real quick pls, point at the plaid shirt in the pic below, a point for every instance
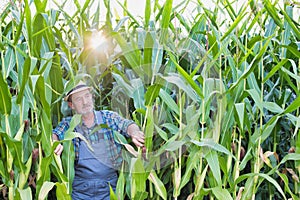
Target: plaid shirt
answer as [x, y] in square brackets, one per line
[112, 120]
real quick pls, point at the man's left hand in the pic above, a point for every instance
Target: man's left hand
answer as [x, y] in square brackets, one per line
[137, 136]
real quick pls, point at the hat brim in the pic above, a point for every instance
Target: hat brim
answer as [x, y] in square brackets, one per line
[84, 87]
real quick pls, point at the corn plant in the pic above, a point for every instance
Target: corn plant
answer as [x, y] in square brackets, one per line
[235, 102]
[217, 97]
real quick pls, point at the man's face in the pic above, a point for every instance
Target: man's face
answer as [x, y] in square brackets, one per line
[82, 102]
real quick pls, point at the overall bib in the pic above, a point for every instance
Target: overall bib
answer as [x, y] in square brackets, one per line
[93, 173]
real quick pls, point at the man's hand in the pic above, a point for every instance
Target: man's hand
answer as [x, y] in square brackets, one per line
[58, 150]
[136, 135]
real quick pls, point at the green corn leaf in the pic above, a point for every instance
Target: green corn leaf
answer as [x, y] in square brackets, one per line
[45, 189]
[81, 10]
[291, 75]
[40, 5]
[5, 97]
[68, 163]
[275, 69]
[148, 50]
[70, 134]
[186, 76]
[161, 133]
[253, 64]
[61, 191]
[57, 86]
[16, 150]
[171, 127]
[284, 178]
[44, 95]
[25, 77]
[166, 98]
[292, 24]
[221, 193]
[293, 106]
[138, 175]
[147, 12]
[151, 94]
[268, 128]
[139, 93]
[24, 174]
[129, 13]
[273, 13]
[256, 98]
[96, 17]
[149, 129]
[290, 156]
[121, 23]
[229, 8]
[200, 181]
[127, 87]
[38, 32]
[159, 186]
[120, 185]
[292, 50]
[19, 29]
[140, 195]
[240, 109]
[120, 138]
[157, 58]
[214, 165]
[180, 83]
[236, 22]
[43, 176]
[112, 195]
[9, 62]
[273, 107]
[165, 21]
[57, 160]
[213, 44]
[3, 173]
[28, 25]
[130, 52]
[46, 133]
[264, 176]
[173, 145]
[183, 21]
[25, 193]
[190, 165]
[212, 145]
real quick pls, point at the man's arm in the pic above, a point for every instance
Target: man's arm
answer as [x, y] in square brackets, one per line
[136, 135]
[58, 134]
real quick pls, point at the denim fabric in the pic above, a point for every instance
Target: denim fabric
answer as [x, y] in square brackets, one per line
[93, 189]
[92, 175]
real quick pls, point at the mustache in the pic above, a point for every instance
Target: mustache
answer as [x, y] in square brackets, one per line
[87, 105]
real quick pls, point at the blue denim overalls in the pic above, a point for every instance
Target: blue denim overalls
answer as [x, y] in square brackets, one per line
[93, 173]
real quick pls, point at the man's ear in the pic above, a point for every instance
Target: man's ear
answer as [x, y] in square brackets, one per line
[70, 104]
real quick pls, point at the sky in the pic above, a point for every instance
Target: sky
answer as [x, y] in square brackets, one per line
[137, 7]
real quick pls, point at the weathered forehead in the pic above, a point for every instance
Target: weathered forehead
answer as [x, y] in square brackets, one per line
[81, 93]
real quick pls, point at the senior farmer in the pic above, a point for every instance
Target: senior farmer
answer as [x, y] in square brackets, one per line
[95, 169]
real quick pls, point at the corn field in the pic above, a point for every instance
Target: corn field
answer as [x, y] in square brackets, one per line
[216, 93]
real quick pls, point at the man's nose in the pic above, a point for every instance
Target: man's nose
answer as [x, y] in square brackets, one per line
[85, 100]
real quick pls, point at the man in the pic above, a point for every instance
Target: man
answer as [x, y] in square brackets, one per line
[96, 168]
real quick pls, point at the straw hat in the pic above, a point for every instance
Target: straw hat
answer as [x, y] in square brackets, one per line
[79, 87]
